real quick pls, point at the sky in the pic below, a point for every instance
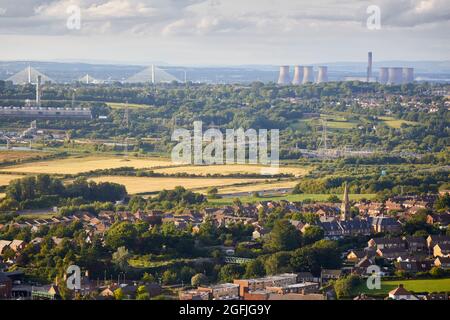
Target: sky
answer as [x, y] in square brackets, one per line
[224, 32]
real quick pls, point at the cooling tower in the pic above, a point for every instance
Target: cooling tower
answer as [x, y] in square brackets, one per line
[408, 75]
[322, 76]
[284, 77]
[383, 76]
[308, 74]
[395, 76]
[298, 75]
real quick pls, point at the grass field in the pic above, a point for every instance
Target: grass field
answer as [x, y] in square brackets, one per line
[9, 155]
[230, 169]
[6, 178]
[396, 123]
[77, 165]
[149, 184]
[417, 286]
[118, 105]
[333, 122]
[290, 197]
[269, 186]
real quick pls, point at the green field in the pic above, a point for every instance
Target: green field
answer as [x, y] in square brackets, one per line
[290, 197]
[415, 286]
[119, 105]
[333, 122]
[396, 123]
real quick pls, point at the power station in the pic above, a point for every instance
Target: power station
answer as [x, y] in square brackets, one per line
[302, 75]
[322, 75]
[369, 66]
[298, 75]
[308, 74]
[284, 78]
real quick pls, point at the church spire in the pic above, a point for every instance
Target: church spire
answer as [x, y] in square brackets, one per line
[345, 207]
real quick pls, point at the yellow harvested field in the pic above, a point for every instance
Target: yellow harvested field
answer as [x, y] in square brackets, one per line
[2, 195]
[75, 165]
[6, 178]
[9, 155]
[230, 169]
[154, 184]
[256, 187]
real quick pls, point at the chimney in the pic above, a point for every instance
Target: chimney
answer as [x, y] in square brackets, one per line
[38, 91]
[369, 66]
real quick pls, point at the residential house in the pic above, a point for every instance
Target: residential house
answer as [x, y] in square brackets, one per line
[387, 243]
[250, 285]
[330, 274]
[442, 262]
[355, 227]
[306, 277]
[385, 224]
[441, 250]
[400, 293]
[332, 229]
[224, 291]
[5, 286]
[442, 220]
[415, 244]
[356, 255]
[432, 240]
[392, 253]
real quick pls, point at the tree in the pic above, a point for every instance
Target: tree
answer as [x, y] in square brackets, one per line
[437, 272]
[254, 269]
[283, 237]
[344, 286]
[297, 189]
[213, 193]
[322, 254]
[148, 278]
[278, 263]
[229, 272]
[121, 234]
[142, 293]
[199, 279]
[120, 258]
[169, 277]
[312, 234]
[118, 294]
[333, 199]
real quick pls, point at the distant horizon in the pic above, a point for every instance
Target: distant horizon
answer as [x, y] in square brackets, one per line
[168, 64]
[225, 33]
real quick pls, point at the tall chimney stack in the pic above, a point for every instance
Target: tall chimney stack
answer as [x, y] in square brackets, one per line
[322, 76]
[284, 77]
[38, 91]
[308, 74]
[298, 75]
[369, 66]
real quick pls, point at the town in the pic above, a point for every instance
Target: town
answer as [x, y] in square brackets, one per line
[405, 236]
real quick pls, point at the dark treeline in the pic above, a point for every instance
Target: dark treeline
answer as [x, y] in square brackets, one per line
[45, 190]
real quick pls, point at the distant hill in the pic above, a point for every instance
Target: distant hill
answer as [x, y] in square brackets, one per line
[67, 72]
